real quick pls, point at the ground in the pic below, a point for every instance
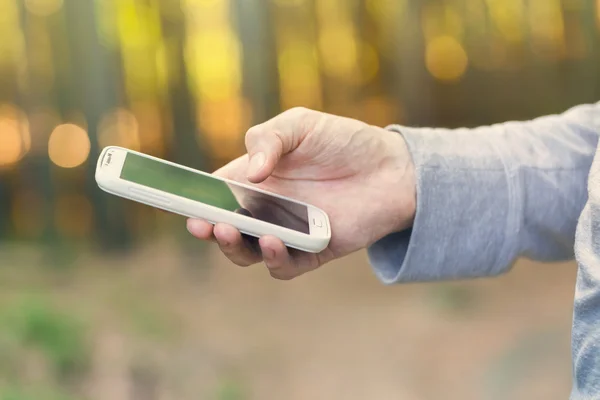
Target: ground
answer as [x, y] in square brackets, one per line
[164, 326]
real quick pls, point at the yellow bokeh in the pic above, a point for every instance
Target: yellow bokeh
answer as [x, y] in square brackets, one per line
[11, 146]
[164, 74]
[386, 10]
[369, 62]
[41, 62]
[379, 111]
[150, 127]
[138, 25]
[69, 146]
[43, 8]
[12, 52]
[508, 17]
[289, 3]
[214, 59]
[441, 19]
[332, 12]
[338, 50]
[224, 123]
[119, 128]
[573, 5]
[547, 27]
[15, 137]
[203, 15]
[73, 215]
[201, 3]
[299, 78]
[139, 35]
[446, 59]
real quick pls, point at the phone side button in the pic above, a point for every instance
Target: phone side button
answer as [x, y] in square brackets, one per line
[154, 198]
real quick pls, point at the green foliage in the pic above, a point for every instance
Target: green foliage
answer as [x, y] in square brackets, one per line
[17, 393]
[59, 336]
[143, 314]
[62, 255]
[452, 298]
[149, 322]
[230, 390]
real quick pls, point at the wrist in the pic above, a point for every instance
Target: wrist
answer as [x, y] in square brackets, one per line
[407, 184]
[401, 181]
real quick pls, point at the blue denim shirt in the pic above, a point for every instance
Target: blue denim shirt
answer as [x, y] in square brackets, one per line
[489, 195]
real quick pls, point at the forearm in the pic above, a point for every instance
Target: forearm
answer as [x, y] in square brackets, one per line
[488, 195]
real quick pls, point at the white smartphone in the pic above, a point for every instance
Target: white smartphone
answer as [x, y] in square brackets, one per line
[196, 194]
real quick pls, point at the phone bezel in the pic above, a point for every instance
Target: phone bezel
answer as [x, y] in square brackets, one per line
[108, 177]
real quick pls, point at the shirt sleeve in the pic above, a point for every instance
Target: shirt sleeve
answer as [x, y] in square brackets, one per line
[586, 313]
[488, 195]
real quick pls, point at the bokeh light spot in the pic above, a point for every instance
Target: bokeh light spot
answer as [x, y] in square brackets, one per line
[69, 146]
[289, 3]
[299, 76]
[385, 10]
[446, 58]
[150, 122]
[43, 8]
[225, 123]
[338, 50]
[10, 146]
[15, 138]
[217, 76]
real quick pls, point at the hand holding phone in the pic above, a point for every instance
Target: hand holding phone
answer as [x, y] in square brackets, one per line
[360, 175]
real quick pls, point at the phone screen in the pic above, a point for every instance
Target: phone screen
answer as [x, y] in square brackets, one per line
[212, 191]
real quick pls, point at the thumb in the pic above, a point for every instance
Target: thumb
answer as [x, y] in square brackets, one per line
[266, 145]
[233, 170]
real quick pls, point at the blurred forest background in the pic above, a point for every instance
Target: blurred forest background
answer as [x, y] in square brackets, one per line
[101, 298]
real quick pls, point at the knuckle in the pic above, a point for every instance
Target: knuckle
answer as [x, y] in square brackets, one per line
[253, 133]
[296, 113]
[298, 110]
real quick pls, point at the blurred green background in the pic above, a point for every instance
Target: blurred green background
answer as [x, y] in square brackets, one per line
[101, 298]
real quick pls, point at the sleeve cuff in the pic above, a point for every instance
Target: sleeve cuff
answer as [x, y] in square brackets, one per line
[466, 222]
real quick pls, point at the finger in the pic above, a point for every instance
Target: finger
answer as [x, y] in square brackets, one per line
[234, 247]
[277, 258]
[268, 142]
[200, 229]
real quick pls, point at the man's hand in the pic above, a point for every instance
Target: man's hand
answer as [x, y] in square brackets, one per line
[362, 176]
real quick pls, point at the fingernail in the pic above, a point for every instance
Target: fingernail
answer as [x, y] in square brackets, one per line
[256, 163]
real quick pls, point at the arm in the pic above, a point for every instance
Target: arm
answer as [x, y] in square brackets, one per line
[586, 313]
[488, 195]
